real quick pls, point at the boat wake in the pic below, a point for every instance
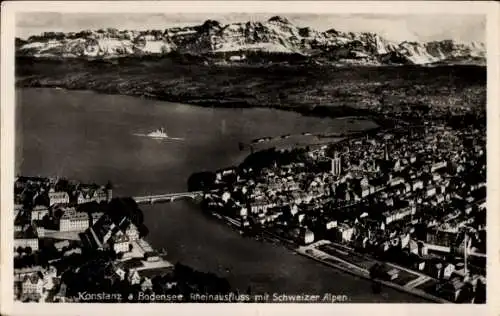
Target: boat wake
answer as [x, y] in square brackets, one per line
[159, 138]
[159, 134]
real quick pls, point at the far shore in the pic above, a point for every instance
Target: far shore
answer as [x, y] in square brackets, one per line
[317, 111]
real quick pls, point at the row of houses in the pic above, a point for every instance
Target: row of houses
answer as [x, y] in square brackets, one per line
[26, 237]
[46, 192]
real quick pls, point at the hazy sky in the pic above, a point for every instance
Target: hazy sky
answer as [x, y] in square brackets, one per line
[394, 27]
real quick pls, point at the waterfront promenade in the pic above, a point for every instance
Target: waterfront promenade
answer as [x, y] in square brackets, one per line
[345, 259]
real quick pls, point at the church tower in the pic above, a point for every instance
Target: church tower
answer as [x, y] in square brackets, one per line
[336, 165]
[109, 191]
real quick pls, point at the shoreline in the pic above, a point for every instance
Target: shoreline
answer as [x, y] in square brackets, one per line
[353, 271]
[349, 268]
[316, 91]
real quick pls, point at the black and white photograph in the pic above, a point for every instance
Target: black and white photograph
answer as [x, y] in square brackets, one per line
[234, 157]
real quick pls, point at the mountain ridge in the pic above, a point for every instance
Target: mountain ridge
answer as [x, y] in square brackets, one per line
[240, 41]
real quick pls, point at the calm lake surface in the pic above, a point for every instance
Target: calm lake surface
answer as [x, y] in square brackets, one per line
[89, 137]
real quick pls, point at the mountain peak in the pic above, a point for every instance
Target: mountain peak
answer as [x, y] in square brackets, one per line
[332, 31]
[277, 36]
[211, 24]
[279, 19]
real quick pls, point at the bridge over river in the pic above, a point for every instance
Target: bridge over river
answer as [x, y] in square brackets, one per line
[168, 197]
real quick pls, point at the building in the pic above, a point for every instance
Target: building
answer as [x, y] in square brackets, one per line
[109, 191]
[22, 219]
[105, 233]
[366, 190]
[331, 224]
[18, 208]
[82, 198]
[303, 235]
[119, 271]
[59, 245]
[20, 274]
[91, 195]
[221, 174]
[308, 236]
[98, 235]
[451, 290]
[396, 215]
[396, 181]
[418, 184]
[345, 233]
[48, 278]
[32, 287]
[336, 165]
[129, 228]
[261, 206]
[430, 191]
[58, 198]
[26, 238]
[61, 294]
[146, 284]
[448, 270]
[39, 212]
[134, 277]
[243, 212]
[71, 251]
[441, 240]
[119, 242]
[96, 216]
[438, 165]
[72, 220]
[235, 58]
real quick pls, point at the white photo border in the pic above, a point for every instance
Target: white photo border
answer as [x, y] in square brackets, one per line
[489, 9]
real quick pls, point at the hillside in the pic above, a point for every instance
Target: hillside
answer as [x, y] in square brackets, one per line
[307, 88]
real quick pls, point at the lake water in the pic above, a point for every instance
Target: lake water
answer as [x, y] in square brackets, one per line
[89, 137]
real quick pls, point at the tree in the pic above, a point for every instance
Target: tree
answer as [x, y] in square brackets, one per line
[112, 31]
[157, 284]
[466, 294]
[42, 199]
[58, 213]
[480, 293]
[157, 34]
[28, 250]
[143, 231]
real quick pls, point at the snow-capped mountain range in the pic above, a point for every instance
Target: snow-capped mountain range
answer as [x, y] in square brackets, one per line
[237, 41]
